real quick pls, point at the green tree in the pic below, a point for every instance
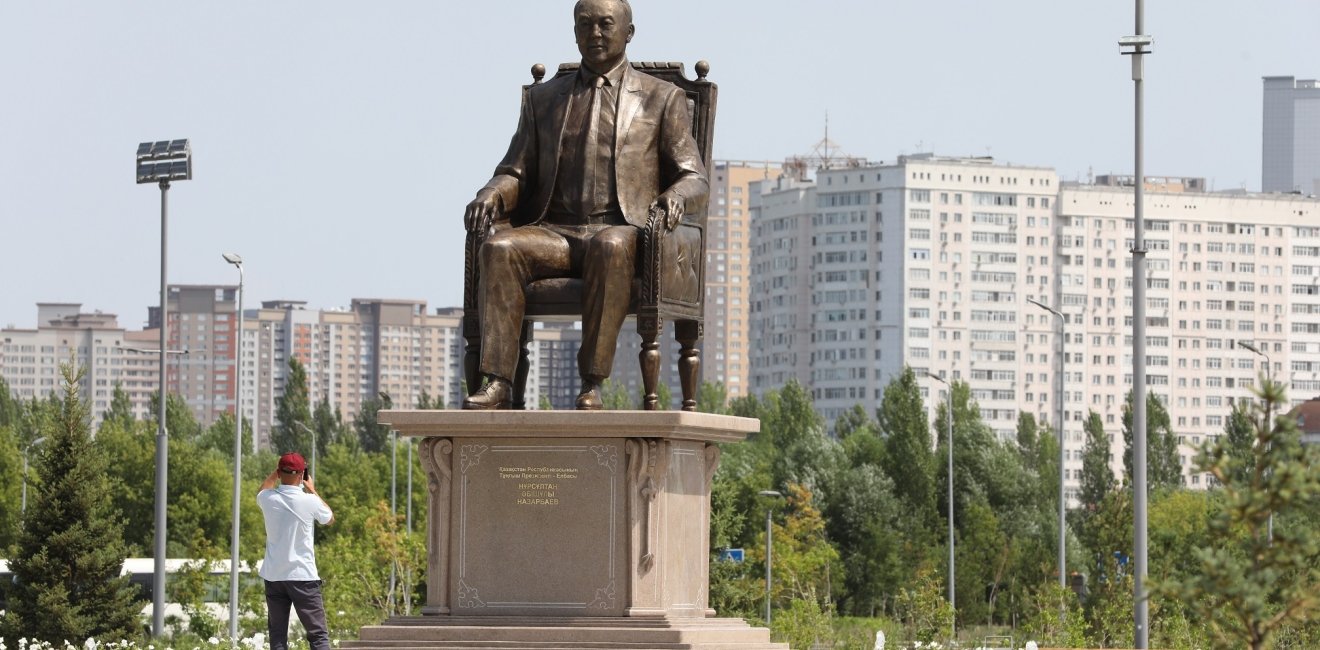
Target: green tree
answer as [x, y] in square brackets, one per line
[925, 613]
[1247, 585]
[66, 568]
[11, 487]
[615, 397]
[1043, 623]
[909, 460]
[854, 419]
[862, 520]
[1108, 533]
[130, 458]
[802, 451]
[804, 560]
[121, 408]
[293, 408]
[372, 436]
[712, 397]
[220, 436]
[11, 410]
[180, 423]
[1240, 439]
[329, 424]
[1097, 475]
[1163, 469]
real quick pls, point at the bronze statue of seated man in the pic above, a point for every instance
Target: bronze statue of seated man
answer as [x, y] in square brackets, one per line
[594, 155]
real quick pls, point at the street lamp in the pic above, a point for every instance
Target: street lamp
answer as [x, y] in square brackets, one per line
[1136, 47]
[769, 546]
[1063, 359]
[311, 431]
[237, 261]
[1269, 417]
[953, 627]
[34, 443]
[1269, 368]
[162, 162]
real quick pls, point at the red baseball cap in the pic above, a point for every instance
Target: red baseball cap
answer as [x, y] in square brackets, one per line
[293, 462]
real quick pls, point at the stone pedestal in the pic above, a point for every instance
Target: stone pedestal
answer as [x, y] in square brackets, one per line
[594, 524]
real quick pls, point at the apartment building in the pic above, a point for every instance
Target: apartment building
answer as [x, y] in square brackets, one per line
[552, 366]
[1290, 136]
[932, 262]
[30, 359]
[374, 347]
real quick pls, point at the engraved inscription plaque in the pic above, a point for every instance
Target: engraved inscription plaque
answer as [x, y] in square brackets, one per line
[539, 527]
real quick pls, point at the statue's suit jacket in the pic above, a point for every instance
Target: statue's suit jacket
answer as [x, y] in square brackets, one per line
[654, 150]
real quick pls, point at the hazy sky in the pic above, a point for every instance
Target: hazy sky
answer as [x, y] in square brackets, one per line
[336, 143]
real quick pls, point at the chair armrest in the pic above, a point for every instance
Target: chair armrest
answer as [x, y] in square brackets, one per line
[672, 263]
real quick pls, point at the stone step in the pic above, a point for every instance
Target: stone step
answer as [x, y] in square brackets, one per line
[561, 633]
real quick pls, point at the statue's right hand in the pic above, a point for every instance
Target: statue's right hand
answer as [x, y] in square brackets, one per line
[482, 210]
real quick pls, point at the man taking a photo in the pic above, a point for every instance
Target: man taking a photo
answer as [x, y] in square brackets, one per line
[289, 503]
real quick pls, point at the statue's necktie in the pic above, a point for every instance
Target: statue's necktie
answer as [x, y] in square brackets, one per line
[599, 149]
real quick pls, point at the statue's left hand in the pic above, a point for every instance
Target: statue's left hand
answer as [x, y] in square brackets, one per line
[669, 208]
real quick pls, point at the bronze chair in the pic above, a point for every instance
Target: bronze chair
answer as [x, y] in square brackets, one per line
[670, 284]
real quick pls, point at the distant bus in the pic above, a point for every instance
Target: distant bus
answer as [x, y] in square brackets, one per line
[141, 574]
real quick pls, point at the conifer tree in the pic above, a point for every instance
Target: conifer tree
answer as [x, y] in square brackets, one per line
[1253, 579]
[909, 453]
[1097, 476]
[1163, 468]
[293, 408]
[69, 554]
[121, 409]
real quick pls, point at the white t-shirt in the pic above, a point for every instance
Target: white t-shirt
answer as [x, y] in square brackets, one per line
[289, 513]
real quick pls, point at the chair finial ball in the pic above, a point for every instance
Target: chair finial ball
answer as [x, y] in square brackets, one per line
[703, 68]
[538, 72]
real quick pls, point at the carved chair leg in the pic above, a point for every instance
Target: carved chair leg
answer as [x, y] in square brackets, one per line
[686, 332]
[524, 363]
[649, 357]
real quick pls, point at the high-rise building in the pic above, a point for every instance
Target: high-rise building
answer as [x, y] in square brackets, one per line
[375, 348]
[201, 366]
[725, 346]
[1290, 143]
[390, 347]
[553, 371]
[31, 359]
[930, 263]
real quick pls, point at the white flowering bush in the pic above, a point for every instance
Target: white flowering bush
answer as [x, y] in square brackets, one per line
[254, 642]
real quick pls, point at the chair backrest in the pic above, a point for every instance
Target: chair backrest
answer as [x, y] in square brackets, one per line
[701, 95]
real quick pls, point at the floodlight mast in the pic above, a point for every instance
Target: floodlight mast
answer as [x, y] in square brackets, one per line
[1137, 46]
[161, 162]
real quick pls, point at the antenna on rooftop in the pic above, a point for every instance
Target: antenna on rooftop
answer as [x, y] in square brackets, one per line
[825, 154]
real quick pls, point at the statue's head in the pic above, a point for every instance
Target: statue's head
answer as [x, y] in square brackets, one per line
[603, 29]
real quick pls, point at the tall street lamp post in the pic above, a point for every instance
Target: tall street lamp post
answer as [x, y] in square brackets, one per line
[161, 163]
[28, 448]
[953, 626]
[1059, 419]
[1269, 371]
[237, 261]
[1139, 46]
[769, 547]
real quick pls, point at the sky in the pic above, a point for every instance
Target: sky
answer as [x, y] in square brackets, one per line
[336, 143]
